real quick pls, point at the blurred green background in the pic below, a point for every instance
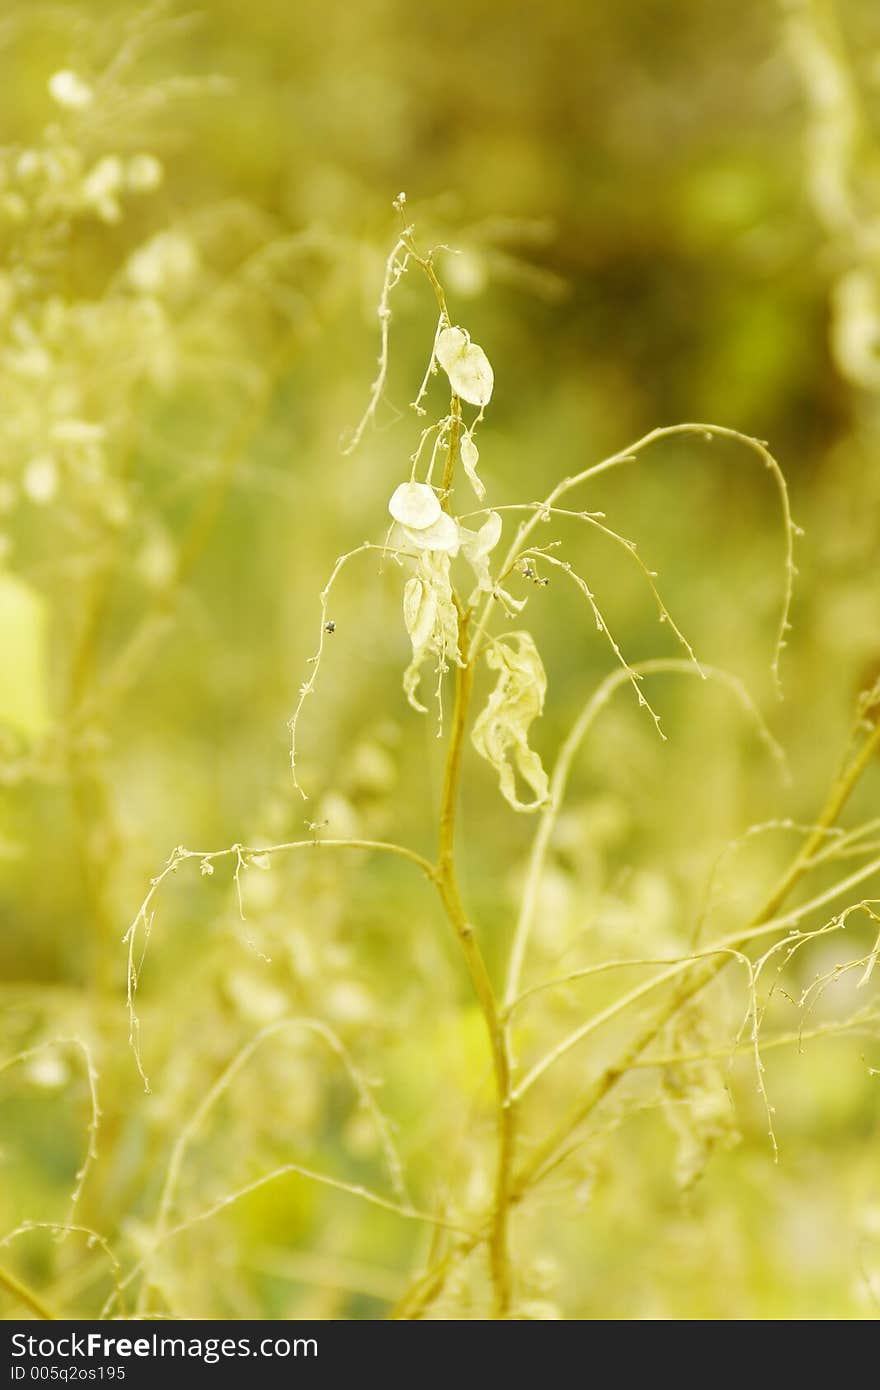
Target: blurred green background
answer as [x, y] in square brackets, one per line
[659, 212]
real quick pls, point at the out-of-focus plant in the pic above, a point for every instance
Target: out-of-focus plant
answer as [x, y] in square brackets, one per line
[117, 312]
[104, 331]
[842, 169]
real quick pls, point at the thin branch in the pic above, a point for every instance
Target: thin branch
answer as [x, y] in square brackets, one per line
[144, 916]
[562, 772]
[395, 269]
[24, 1295]
[95, 1110]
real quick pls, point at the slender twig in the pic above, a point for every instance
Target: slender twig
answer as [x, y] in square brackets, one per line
[447, 884]
[704, 974]
[631, 454]
[242, 1057]
[562, 772]
[395, 269]
[547, 1156]
[25, 1296]
[401, 1209]
[240, 854]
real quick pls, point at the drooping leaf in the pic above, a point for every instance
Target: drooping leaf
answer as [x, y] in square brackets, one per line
[419, 611]
[501, 732]
[431, 620]
[477, 546]
[470, 457]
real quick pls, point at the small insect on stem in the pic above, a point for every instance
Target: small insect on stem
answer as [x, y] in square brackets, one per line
[528, 571]
[330, 626]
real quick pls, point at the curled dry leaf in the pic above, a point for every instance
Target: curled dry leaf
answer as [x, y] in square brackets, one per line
[501, 732]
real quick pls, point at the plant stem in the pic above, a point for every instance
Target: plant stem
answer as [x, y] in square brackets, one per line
[502, 1200]
[426, 264]
[555, 1149]
[430, 1284]
[451, 451]
[447, 885]
[26, 1296]
[546, 1154]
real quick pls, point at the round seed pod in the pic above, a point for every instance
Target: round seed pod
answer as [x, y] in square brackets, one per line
[415, 505]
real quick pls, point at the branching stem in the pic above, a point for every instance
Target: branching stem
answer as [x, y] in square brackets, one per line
[447, 883]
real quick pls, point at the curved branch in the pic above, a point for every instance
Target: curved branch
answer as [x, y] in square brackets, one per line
[562, 771]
